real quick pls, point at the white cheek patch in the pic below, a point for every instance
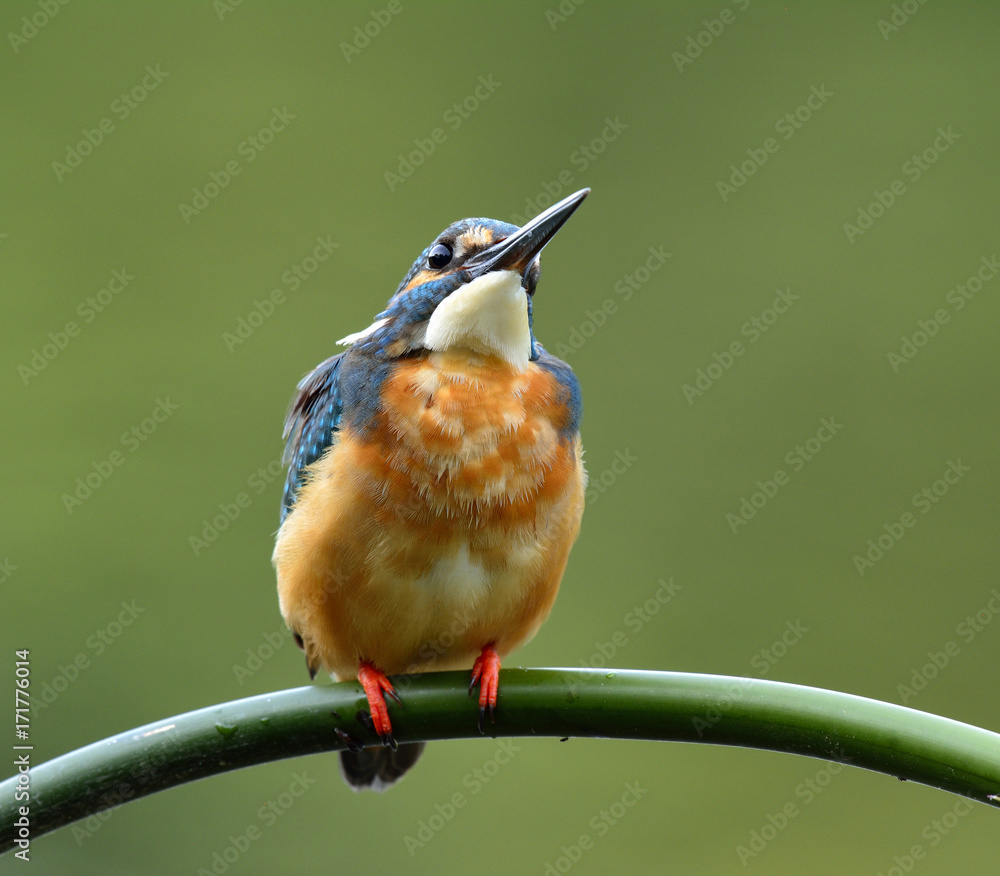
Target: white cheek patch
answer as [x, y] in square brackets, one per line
[488, 316]
[361, 335]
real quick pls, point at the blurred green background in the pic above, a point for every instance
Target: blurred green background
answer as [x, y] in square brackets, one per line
[287, 118]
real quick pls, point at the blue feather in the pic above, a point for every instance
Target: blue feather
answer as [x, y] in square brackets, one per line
[313, 418]
[570, 394]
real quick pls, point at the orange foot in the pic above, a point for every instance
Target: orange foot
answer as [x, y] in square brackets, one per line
[486, 673]
[377, 687]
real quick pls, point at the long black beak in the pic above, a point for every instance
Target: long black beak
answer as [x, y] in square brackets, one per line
[519, 251]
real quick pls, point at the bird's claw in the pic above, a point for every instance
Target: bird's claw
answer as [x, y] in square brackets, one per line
[377, 687]
[486, 673]
[351, 742]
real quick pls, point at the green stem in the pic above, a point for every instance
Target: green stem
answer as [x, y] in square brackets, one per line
[626, 704]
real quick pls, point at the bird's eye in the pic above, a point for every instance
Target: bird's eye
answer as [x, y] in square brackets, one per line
[439, 256]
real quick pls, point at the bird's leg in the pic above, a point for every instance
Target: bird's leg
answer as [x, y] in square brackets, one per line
[486, 673]
[377, 687]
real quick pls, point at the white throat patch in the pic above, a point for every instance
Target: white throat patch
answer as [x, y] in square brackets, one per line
[488, 316]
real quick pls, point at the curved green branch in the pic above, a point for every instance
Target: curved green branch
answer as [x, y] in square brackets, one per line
[626, 704]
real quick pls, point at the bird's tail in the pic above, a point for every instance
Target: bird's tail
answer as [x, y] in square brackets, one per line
[375, 769]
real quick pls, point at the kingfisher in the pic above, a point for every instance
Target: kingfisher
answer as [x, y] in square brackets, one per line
[435, 482]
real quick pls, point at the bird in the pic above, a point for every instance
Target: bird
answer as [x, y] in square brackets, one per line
[435, 482]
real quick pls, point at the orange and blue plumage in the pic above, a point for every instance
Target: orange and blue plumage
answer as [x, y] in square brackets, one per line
[436, 481]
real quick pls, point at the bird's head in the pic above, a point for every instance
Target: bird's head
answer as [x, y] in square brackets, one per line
[471, 289]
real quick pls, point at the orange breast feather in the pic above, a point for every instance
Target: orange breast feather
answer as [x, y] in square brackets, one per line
[448, 525]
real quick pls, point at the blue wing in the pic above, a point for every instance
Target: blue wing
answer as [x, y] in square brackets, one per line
[313, 419]
[570, 394]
